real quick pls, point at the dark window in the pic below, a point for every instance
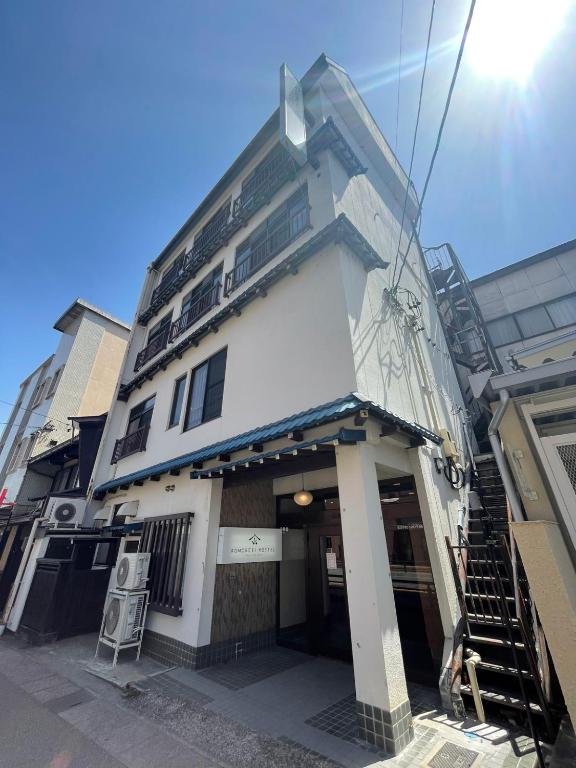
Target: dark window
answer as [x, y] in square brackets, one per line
[65, 479]
[534, 321]
[160, 328]
[166, 539]
[563, 311]
[211, 280]
[141, 415]
[206, 391]
[503, 331]
[177, 400]
[212, 227]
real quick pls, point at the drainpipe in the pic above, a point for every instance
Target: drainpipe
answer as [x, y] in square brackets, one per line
[20, 574]
[473, 659]
[507, 481]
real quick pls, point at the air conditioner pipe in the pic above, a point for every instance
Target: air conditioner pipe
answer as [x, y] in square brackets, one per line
[471, 662]
[5, 618]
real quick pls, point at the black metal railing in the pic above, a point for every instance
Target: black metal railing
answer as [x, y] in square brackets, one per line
[166, 539]
[200, 307]
[260, 254]
[133, 443]
[264, 183]
[488, 595]
[157, 344]
[169, 279]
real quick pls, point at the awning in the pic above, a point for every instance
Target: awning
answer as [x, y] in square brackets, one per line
[286, 454]
[128, 509]
[104, 513]
[342, 408]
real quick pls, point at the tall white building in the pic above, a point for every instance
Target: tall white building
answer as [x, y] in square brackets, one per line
[272, 355]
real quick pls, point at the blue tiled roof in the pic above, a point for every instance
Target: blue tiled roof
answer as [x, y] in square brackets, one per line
[322, 414]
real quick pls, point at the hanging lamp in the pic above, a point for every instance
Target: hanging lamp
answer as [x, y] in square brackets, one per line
[303, 498]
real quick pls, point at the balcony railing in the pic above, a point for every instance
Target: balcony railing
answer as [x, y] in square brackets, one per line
[196, 311]
[157, 344]
[169, 278]
[264, 183]
[133, 443]
[277, 239]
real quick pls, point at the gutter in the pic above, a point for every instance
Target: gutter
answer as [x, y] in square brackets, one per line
[494, 438]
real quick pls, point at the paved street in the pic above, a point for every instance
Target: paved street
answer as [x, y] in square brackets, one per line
[274, 709]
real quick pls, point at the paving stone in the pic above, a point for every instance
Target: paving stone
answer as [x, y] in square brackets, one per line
[63, 703]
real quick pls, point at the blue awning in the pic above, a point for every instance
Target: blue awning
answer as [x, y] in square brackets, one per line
[323, 414]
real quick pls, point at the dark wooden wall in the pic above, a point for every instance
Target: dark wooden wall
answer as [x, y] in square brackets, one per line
[245, 593]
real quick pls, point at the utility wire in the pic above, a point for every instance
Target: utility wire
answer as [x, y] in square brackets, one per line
[440, 132]
[399, 77]
[31, 410]
[414, 138]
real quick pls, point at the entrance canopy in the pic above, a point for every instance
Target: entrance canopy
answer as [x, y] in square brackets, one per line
[292, 427]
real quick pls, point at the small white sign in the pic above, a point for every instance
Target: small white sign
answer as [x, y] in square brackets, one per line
[249, 545]
[331, 563]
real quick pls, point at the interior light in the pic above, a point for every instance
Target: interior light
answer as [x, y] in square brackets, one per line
[303, 498]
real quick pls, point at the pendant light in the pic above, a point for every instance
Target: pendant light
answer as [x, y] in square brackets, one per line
[303, 498]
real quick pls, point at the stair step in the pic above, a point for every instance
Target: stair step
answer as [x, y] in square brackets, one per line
[495, 641]
[487, 597]
[498, 697]
[486, 618]
[503, 670]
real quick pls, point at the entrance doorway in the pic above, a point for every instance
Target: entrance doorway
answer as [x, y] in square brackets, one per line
[312, 597]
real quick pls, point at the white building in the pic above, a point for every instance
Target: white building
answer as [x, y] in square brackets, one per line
[78, 380]
[270, 355]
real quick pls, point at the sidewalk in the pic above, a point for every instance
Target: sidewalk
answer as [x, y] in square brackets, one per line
[274, 709]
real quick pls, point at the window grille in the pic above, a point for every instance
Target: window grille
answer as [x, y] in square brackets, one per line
[166, 539]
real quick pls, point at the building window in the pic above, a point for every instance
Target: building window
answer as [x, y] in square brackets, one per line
[563, 312]
[212, 228]
[503, 331]
[65, 479]
[534, 321]
[177, 400]
[160, 330]
[38, 395]
[206, 391]
[54, 382]
[213, 279]
[166, 539]
[140, 415]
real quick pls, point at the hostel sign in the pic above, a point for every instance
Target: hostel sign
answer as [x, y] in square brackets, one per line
[249, 545]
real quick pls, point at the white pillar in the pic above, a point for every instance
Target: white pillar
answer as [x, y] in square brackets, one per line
[382, 699]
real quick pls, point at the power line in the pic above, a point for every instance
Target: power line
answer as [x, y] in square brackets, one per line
[399, 77]
[440, 132]
[31, 410]
[409, 181]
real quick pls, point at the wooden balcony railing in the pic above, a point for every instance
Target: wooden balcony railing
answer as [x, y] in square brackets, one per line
[196, 311]
[265, 182]
[133, 443]
[157, 344]
[276, 240]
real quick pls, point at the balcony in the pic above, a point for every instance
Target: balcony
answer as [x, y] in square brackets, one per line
[133, 443]
[267, 179]
[261, 253]
[167, 281]
[200, 307]
[157, 344]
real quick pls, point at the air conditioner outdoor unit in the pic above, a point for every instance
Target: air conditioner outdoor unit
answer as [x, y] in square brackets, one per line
[65, 510]
[124, 616]
[132, 571]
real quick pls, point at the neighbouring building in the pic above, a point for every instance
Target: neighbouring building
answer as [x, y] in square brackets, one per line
[288, 433]
[530, 313]
[48, 447]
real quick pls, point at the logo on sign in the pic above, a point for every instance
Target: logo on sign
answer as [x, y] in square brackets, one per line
[254, 539]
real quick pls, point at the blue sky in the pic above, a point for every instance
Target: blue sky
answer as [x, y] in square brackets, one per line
[118, 116]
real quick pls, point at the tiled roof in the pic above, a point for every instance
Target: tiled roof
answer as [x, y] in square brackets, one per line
[313, 417]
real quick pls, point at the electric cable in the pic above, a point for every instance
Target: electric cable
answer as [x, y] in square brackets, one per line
[415, 136]
[439, 135]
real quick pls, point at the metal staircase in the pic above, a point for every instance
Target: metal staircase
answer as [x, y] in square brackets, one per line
[498, 615]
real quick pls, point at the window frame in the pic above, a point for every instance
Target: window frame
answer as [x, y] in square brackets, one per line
[186, 427]
[148, 410]
[514, 317]
[177, 381]
[209, 282]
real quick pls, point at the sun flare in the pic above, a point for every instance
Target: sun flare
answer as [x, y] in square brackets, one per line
[508, 37]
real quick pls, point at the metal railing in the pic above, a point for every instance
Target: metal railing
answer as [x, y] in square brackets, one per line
[486, 597]
[132, 443]
[267, 179]
[169, 278]
[157, 344]
[260, 254]
[200, 307]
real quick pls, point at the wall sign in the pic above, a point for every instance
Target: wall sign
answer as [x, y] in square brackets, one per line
[249, 545]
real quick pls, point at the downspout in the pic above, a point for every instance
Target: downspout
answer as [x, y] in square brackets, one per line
[509, 487]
